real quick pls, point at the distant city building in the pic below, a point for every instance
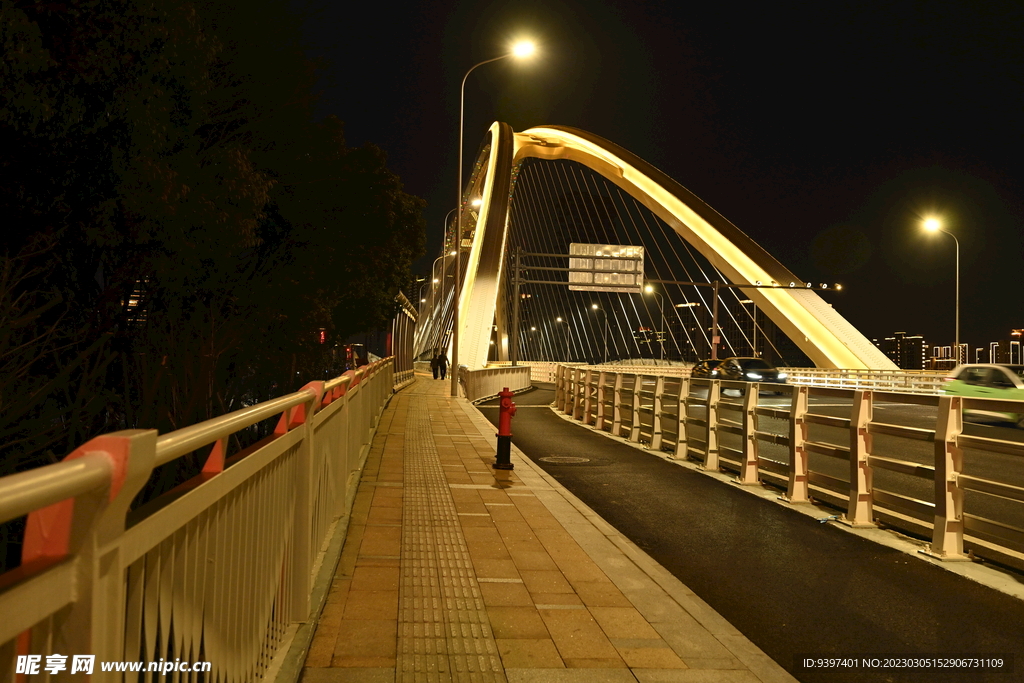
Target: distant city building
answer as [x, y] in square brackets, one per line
[1005, 351]
[942, 359]
[907, 352]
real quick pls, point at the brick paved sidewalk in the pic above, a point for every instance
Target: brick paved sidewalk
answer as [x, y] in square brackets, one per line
[453, 571]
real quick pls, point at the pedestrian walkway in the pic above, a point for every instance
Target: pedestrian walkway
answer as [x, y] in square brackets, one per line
[453, 571]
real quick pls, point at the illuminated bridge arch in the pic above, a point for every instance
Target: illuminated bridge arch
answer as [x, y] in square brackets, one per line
[826, 338]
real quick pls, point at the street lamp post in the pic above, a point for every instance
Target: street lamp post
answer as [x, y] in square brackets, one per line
[934, 225]
[595, 307]
[437, 317]
[648, 289]
[520, 50]
[568, 330]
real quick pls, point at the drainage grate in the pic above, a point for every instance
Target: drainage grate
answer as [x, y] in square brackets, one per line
[564, 460]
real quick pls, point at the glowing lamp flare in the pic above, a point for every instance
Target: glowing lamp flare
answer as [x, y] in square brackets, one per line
[932, 224]
[524, 48]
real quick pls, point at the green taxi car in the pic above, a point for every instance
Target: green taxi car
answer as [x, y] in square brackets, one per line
[1004, 382]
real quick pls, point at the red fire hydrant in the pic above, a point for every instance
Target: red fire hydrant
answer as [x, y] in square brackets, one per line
[507, 410]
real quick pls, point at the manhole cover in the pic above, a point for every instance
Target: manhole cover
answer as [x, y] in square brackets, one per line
[564, 460]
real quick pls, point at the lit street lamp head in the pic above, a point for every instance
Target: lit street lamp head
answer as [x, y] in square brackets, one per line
[524, 49]
[648, 289]
[935, 225]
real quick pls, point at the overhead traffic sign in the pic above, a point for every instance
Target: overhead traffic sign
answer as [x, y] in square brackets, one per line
[606, 268]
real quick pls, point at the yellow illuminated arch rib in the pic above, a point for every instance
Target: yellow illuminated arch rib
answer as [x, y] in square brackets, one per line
[827, 338]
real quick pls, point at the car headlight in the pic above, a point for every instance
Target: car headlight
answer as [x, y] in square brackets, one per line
[782, 375]
[754, 375]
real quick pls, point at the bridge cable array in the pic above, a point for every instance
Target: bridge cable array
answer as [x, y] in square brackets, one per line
[558, 202]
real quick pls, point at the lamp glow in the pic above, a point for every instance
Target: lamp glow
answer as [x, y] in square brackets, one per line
[523, 49]
[932, 224]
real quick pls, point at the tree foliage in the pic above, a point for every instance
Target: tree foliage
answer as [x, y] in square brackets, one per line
[180, 226]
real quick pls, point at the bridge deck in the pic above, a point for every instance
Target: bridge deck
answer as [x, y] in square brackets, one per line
[454, 571]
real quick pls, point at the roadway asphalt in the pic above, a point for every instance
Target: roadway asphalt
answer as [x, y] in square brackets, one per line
[796, 587]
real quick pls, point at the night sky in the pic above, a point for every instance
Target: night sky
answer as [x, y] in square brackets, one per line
[825, 131]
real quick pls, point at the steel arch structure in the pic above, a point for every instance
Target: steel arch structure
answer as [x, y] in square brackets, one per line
[827, 338]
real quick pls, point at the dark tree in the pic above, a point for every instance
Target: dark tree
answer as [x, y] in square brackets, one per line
[200, 226]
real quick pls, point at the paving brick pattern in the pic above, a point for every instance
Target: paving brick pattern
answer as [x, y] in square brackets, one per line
[455, 572]
[443, 630]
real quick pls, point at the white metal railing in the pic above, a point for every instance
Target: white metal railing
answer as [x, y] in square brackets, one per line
[910, 381]
[486, 383]
[540, 371]
[221, 568]
[721, 425]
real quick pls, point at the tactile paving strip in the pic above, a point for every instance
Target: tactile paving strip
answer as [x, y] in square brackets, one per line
[443, 630]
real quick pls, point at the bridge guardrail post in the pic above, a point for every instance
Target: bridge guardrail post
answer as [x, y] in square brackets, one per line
[659, 390]
[580, 398]
[588, 395]
[617, 405]
[567, 380]
[682, 418]
[797, 488]
[344, 456]
[570, 390]
[560, 388]
[711, 429]
[859, 511]
[88, 528]
[634, 423]
[347, 421]
[303, 550]
[566, 388]
[948, 533]
[748, 470]
[602, 398]
[578, 389]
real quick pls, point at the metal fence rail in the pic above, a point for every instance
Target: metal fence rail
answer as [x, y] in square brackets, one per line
[540, 371]
[486, 383]
[721, 425]
[909, 381]
[217, 570]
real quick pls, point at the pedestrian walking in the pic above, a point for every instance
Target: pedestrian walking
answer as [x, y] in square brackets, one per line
[434, 365]
[442, 364]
